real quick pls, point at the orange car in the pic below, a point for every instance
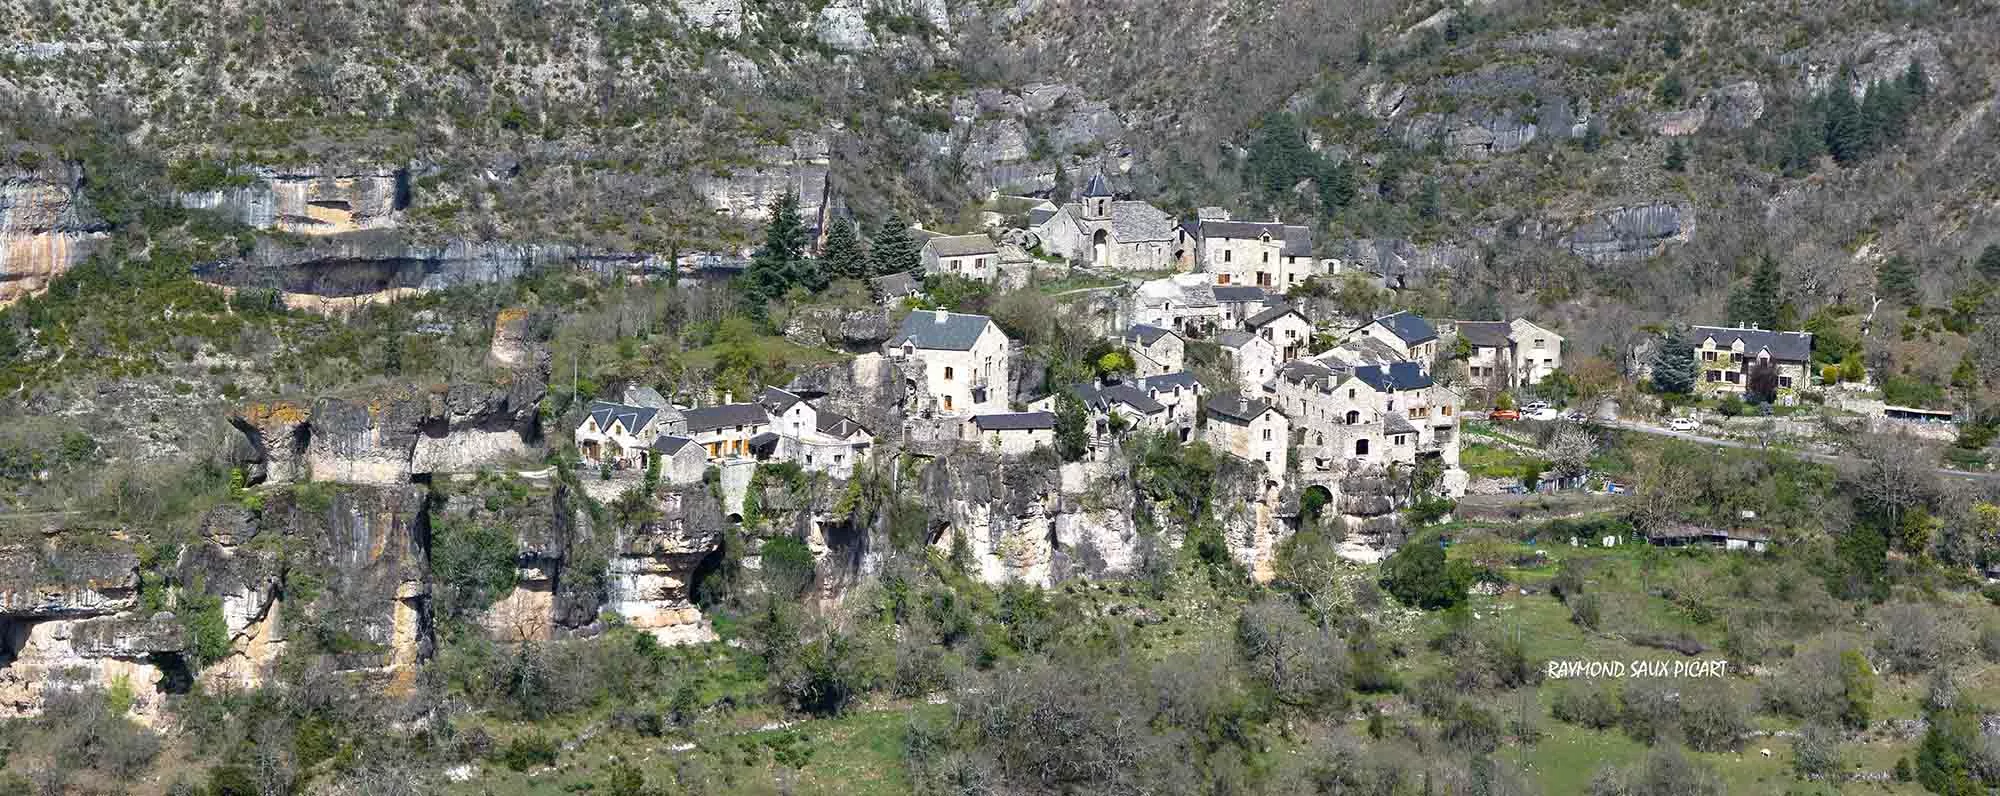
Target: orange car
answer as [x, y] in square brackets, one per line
[1504, 414]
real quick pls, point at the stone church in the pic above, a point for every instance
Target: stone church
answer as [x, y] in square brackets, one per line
[1102, 231]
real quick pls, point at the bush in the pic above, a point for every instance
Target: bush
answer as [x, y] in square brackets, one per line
[1593, 705]
[1419, 576]
[529, 751]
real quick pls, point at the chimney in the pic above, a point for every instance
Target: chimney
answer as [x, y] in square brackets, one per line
[1242, 404]
[941, 315]
[1097, 383]
[728, 397]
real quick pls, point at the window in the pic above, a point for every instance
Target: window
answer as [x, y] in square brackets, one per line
[1538, 342]
[1353, 417]
[1361, 447]
[1267, 435]
[1267, 456]
[947, 373]
[979, 263]
[1708, 356]
[1784, 381]
[1732, 377]
[839, 457]
[947, 402]
[1267, 257]
[1350, 393]
[1222, 279]
[1225, 255]
[1715, 375]
[1399, 439]
[1445, 410]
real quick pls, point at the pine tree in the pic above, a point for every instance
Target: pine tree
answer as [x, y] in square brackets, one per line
[892, 251]
[1989, 261]
[1072, 427]
[1677, 156]
[1336, 186]
[1673, 365]
[1758, 303]
[1896, 278]
[1915, 81]
[1804, 144]
[776, 265]
[1279, 157]
[843, 258]
[1846, 137]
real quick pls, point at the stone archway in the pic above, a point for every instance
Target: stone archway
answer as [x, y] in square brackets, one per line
[1100, 248]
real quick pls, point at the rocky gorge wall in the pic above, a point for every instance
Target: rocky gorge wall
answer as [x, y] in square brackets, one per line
[46, 227]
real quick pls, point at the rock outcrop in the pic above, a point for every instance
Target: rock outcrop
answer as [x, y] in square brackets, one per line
[45, 228]
[388, 438]
[1631, 232]
[311, 201]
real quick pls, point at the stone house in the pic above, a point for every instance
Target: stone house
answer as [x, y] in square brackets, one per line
[1370, 415]
[1251, 429]
[1184, 303]
[1505, 355]
[732, 431]
[620, 435]
[682, 460]
[1239, 303]
[1155, 350]
[891, 289]
[1271, 255]
[819, 440]
[1725, 357]
[1285, 327]
[1110, 233]
[974, 257]
[1251, 358]
[1407, 332]
[1011, 433]
[1181, 394]
[964, 358]
[1167, 403]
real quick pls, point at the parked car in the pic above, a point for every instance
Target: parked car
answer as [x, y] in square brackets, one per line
[1683, 424]
[1535, 407]
[1499, 415]
[1544, 413]
[1577, 416]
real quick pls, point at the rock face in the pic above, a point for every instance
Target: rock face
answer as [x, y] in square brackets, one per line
[1631, 233]
[720, 17]
[66, 622]
[1019, 140]
[1401, 262]
[747, 193]
[652, 577]
[45, 227]
[312, 201]
[385, 440]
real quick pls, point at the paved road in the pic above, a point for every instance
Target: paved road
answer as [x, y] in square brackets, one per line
[1827, 458]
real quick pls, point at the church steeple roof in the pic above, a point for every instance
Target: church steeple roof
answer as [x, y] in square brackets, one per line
[1097, 186]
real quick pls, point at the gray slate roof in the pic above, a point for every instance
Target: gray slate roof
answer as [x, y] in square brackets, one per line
[1098, 186]
[1273, 313]
[1486, 334]
[1239, 293]
[1235, 407]
[835, 425]
[1234, 338]
[1788, 346]
[709, 418]
[1397, 376]
[633, 418]
[1146, 334]
[1409, 327]
[1396, 423]
[896, 285]
[961, 245]
[1037, 216]
[1015, 421]
[1166, 382]
[776, 401]
[1298, 240]
[955, 332]
[670, 445]
[1101, 398]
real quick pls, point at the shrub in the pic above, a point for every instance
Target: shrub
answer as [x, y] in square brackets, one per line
[1420, 577]
[1593, 705]
[529, 751]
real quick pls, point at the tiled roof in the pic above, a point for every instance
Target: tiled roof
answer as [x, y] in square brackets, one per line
[1015, 421]
[1297, 239]
[1236, 407]
[1146, 334]
[1396, 423]
[1037, 216]
[940, 330]
[1272, 313]
[1409, 327]
[834, 425]
[1788, 346]
[709, 418]
[961, 245]
[671, 445]
[1485, 334]
[895, 285]
[633, 418]
[1239, 293]
[776, 401]
[1396, 376]
[1166, 382]
[1234, 338]
[1101, 398]
[1138, 221]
